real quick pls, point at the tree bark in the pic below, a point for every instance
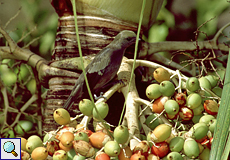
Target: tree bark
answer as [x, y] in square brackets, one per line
[95, 33]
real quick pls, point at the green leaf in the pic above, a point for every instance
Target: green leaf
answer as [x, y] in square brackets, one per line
[223, 120]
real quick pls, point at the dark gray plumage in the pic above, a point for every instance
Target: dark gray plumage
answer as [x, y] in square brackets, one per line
[103, 67]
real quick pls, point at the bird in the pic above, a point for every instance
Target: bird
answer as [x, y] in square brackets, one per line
[102, 69]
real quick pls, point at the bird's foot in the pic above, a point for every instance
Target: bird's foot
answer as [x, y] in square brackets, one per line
[100, 96]
[120, 81]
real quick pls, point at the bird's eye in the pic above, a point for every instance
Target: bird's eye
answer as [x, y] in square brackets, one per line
[129, 38]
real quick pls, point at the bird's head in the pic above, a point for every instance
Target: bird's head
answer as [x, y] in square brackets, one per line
[125, 38]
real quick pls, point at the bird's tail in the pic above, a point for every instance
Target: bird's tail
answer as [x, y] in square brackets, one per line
[68, 103]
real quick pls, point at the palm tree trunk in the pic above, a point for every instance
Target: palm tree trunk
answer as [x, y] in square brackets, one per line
[96, 31]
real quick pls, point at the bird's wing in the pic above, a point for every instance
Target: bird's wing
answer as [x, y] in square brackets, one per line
[68, 103]
[76, 94]
[100, 62]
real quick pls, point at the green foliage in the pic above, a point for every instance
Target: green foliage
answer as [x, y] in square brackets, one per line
[36, 30]
[159, 31]
[221, 134]
[206, 10]
[37, 24]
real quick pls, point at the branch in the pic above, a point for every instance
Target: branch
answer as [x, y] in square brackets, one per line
[6, 104]
[188, 46]
[12, 45]
[110, 92]
[18, 53]
[24, 107]
[149, 64]
[12, 18]
[220, 32]
[142, 121]
[184, 46]
[131, 114]
[45, 72]
[149, 104]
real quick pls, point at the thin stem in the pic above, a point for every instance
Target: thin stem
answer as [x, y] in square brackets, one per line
[80, 51]
[135, 56]
[82, 65]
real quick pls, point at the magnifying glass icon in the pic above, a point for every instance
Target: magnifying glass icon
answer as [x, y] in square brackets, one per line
[9, 147]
